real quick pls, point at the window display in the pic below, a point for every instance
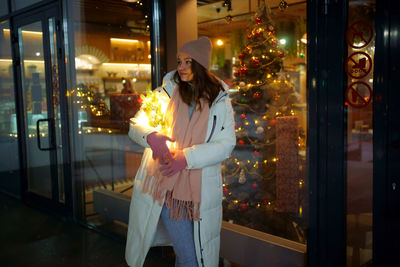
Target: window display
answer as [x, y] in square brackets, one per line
[261, 53]
[112, 70]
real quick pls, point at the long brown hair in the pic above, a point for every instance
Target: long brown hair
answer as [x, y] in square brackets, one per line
[205, 84]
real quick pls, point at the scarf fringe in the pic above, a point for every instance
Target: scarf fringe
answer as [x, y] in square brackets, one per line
[179, 208]
[152, 186]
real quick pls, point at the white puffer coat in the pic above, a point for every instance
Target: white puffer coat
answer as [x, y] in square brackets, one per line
[145, 229]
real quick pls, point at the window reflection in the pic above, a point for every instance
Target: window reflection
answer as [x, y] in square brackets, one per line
[358, 102]
[112, 68]
[260, 52]
[9, 165]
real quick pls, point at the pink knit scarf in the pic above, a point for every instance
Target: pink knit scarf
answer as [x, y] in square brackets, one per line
[182, 192]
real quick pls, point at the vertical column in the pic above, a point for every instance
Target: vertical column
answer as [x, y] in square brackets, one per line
[181, 27]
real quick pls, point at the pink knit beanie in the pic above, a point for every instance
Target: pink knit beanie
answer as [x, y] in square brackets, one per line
[199, 50]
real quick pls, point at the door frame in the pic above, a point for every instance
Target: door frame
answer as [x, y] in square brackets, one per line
[42, 13]
[386, 215]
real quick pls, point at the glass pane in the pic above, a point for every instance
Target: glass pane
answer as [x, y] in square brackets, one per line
[9, 163]
[260, 52]
[35, 108]
[56, 105]
[19, 4]
[3, 7]
[112, 68]
[358, 103]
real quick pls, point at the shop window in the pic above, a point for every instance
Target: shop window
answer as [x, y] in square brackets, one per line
[19, 4]
[112, 69]
[3, 8]
[9, 165]
[359, 108]
[260, 52]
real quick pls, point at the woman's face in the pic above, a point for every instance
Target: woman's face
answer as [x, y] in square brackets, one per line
[185, 67]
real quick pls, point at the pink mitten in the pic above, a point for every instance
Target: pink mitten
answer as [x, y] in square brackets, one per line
[174, 165]
[159, 147]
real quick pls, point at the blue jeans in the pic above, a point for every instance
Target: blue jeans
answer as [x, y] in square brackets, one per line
[181, 235]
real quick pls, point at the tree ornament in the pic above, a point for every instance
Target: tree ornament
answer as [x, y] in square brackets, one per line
[249, 36]
[281, 54]
[255, 186]
[255, 62]
[258, 20]
[243, 71]
[240, 56]
[272, 122]
[242, 177]
[243, 206]
[243, 116]
[256, 153]
[242, 84]
[226, 192]
[283, 5]
[236, 73]
[241, 142]
[257, 95]
[242, 100]
[259, 130]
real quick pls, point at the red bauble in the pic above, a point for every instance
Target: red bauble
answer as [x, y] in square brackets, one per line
[241, 56]
[258, 33]
[243, 116]
[236, 126]
[256, 153]
[236, 73]
[139, 100]
[255, 62]
[265, 202]
[256, 95]
[258, 20]
[255, 185]
[243, 206]
[272, 122]
[249, 36]
[241, 142]
[243, 71]
[281, 54]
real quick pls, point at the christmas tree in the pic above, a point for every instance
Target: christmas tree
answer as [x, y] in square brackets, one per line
[262, 187]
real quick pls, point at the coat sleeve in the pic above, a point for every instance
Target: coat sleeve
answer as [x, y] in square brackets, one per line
[220, 147]
[137, 132]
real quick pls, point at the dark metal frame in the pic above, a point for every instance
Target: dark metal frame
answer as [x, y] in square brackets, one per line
[28, 15]
[386, 181]
[327, 23]
[157, 42]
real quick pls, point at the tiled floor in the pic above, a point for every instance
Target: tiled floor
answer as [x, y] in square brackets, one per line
[29, 237]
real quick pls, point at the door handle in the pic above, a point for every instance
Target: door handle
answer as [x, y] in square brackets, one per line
[38, 135]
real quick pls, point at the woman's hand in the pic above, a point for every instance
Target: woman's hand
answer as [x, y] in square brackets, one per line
[159, 147]
[175, 164]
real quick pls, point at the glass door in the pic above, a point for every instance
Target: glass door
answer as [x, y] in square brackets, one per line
[38, 51]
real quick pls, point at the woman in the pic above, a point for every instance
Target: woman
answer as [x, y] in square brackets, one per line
[177, 194]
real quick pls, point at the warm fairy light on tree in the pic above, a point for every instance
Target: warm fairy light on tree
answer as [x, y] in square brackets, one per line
[264, 106]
